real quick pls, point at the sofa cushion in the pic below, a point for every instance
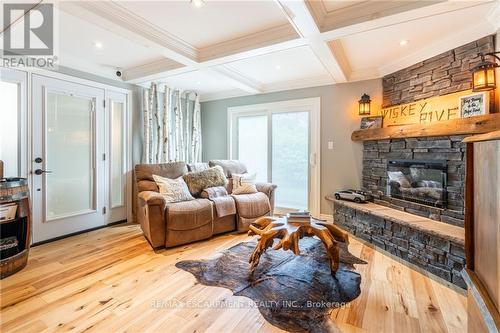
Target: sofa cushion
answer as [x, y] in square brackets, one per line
[188, 215]
[192, 167]
[229, 166]
[252, 205]
[171, 170]
[173, 190]
[198, 181]
[244, 183]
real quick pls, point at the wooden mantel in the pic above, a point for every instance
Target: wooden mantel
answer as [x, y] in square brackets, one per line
[462, 126]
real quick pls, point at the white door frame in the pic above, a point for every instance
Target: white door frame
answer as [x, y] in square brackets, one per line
[118, 212]
[21, 79]
[26, 126]
[311, 105]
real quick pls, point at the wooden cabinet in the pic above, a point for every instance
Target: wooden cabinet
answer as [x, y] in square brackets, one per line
[482, 225]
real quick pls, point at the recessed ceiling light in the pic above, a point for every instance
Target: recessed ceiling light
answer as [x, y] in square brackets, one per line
[197, 3]
[404, 42]
[98, 45]
[278, 67]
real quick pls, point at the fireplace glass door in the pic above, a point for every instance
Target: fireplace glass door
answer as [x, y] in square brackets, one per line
[422, 182]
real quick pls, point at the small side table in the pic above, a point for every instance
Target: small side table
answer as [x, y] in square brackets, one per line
[269, 228]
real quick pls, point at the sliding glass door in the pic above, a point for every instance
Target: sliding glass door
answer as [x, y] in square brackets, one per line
[290, 158]
[253, 143]
[277, 142]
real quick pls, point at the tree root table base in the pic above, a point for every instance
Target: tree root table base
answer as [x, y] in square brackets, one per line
[269, 228]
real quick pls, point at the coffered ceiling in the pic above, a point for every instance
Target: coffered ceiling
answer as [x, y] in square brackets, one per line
[232, 48]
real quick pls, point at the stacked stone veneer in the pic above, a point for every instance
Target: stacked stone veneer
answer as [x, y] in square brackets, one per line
[443, 74]
[438, 254]
[450, 149]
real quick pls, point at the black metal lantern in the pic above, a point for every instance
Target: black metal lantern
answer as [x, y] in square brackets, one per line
[483, 75]
[364, 105]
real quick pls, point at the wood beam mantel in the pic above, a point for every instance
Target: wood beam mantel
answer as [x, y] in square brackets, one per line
[462, 126]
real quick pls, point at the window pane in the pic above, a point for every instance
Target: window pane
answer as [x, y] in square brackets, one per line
[117, 137]
[290, 164]
[69, 145]
[252, 144]
[9, 128]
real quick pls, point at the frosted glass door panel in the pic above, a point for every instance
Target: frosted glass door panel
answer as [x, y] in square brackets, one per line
[117, 150]
[252, 144]
[290, 163]
[9, 128]
[69, 156]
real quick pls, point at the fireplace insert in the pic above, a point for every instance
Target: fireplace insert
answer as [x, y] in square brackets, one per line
[423, 182]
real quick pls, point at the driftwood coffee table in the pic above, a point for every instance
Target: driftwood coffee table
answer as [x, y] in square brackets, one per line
[269, 228]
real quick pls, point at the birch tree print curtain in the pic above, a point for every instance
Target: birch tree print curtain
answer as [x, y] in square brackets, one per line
[172, 125]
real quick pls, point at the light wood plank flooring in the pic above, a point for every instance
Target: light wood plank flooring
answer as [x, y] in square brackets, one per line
[111, 281]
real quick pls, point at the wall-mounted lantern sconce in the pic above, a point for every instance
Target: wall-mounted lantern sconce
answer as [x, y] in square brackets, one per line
[364, 105]
[483, 75]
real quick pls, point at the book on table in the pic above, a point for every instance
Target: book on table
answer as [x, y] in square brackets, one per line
[299, 217]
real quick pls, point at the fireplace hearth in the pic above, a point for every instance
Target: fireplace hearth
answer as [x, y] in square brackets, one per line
[423, 182]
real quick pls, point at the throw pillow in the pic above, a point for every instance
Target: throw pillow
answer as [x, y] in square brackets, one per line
[200, 180]
[399, 177]
[174, 190]
[244, 183]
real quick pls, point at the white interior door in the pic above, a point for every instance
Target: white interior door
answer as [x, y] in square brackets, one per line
[68, 166]
[280, 142]
[116, 118]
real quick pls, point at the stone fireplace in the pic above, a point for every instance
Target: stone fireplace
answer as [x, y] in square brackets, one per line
[444, 155]
[418, 186]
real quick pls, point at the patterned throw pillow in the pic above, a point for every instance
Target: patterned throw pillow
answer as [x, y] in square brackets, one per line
[174, 190]
[244, 183]
[200, 180]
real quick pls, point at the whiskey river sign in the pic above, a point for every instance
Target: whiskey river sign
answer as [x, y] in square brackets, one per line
[425, 111]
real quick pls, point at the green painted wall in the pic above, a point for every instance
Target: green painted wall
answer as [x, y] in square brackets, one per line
[340, 167]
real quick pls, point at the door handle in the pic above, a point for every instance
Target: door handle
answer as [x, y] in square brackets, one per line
[40, 171]
[312, 159]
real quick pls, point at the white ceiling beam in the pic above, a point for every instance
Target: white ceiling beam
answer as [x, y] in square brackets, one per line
[300, 17]
[224, 60]
[141, 73]
[180, 56]
[260, 39]
[411, 15]
[115, 18]
[238, 79]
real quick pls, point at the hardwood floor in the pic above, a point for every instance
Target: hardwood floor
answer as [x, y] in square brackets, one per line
[110, 280]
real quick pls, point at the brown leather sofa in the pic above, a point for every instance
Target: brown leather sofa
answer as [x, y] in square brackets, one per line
[172, 224]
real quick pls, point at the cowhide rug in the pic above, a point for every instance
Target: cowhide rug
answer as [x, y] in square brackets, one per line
[294, 293]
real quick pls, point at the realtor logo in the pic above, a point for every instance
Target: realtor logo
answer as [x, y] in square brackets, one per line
[28, 29]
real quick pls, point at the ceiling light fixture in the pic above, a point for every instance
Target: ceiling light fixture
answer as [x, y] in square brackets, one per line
[98, 45]
[197, 3]
[404, 42]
